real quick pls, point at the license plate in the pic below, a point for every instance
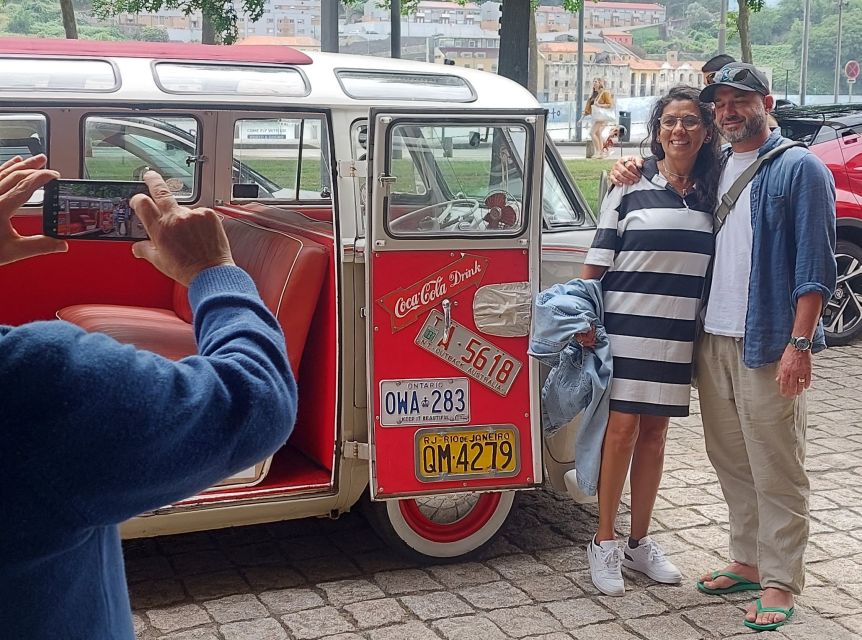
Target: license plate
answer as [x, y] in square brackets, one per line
[424, 401]
[469, 352]
[467, 452]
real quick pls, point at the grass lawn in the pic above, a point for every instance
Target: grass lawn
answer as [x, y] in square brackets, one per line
[586, 174]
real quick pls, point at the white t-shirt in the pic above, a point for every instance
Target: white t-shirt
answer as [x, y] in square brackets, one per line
[728, 296]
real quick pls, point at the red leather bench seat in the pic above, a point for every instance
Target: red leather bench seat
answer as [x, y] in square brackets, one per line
[287, 269]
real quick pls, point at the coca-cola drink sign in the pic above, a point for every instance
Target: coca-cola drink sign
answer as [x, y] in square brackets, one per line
[406, 304]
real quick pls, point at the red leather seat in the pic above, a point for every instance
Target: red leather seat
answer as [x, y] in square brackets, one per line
[288, 271]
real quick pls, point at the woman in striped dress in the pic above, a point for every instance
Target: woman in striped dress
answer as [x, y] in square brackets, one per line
[651, 251]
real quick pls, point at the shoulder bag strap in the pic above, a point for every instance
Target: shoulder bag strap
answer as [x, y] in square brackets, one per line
[729, 199]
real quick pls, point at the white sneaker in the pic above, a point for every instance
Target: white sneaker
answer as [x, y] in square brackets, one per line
[605, 568]
[648, 558]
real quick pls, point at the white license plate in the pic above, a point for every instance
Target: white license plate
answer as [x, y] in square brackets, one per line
[424, 401]
[469, 352]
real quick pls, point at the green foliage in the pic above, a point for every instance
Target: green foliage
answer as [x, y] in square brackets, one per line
[153, 34]
[222, 13]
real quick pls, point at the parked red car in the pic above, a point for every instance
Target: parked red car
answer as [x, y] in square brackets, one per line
[834, 133]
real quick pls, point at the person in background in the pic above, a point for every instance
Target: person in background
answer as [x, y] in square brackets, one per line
[773, 272]
[604, 100]
[82, 454]
[651, 250]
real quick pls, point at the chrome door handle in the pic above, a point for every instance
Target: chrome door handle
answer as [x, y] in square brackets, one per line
[447, 315]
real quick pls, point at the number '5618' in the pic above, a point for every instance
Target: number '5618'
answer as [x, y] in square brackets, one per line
[501, 367]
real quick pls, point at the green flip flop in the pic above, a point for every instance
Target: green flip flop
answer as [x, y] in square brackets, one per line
[741, 584]
[772, 626]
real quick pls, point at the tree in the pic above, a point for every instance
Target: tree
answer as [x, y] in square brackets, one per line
[69, 24]
[742, 24]
[219, 17]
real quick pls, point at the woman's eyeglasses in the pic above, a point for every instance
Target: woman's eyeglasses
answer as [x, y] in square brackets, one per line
[689, 123]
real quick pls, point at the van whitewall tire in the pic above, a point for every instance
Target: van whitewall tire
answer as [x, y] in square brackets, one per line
[402, 526]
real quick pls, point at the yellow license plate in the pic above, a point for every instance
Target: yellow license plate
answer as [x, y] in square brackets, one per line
[467, 452]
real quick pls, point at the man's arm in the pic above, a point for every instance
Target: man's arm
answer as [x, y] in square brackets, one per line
[812, 204]
[794, 370]
[107, 431]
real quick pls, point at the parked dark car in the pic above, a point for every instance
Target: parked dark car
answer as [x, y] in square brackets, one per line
[834, 133]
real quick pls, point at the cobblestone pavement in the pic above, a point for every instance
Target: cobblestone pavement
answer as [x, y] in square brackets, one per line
[313, 579]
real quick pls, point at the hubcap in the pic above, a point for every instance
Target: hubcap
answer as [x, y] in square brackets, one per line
[451, 517]
[844, 310]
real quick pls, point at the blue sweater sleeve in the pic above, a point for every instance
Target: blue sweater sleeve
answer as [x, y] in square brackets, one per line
[109, 431]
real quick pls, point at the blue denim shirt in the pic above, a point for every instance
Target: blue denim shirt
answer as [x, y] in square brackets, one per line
[580, 378]
[793, 248]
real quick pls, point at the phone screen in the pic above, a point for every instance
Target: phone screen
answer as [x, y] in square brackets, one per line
[92, 210]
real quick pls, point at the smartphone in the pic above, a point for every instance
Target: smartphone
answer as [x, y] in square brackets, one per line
[92, 210]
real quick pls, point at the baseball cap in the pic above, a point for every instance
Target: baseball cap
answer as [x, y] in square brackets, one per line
[739, 75]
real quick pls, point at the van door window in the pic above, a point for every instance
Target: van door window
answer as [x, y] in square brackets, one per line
[473, 174]
[124, 148]
[24, 135]
[281, 159]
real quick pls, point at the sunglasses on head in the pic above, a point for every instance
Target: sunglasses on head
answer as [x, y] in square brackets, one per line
[731, 74]
[709, 78]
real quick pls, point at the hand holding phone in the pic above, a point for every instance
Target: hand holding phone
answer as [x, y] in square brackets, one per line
[92, 210]
[184, 241]
[19, 180]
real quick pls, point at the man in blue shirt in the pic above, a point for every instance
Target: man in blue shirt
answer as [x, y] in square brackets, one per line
[81, 454]
[774, 271]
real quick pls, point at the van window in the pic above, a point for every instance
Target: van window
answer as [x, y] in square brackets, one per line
[391, 85]
[25, 135]
[479, 186]
[23, 74]
[228, 80]
[281, 159]
[22, 134]
[124, 148]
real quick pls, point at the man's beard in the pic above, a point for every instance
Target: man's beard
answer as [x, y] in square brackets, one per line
[755, 123]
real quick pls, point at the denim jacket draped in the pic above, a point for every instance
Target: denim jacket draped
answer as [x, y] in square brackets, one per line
[580, 379]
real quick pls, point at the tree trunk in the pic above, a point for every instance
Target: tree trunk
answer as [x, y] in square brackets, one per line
[208, 34]
[515, 41]
[533, 72]
[69, 24]
[743, 21]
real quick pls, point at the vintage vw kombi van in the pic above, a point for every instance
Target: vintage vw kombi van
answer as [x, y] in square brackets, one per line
[398, 219]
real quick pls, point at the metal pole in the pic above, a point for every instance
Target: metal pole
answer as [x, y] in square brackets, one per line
[329, 25]
[786, 81]
[803, 74]
[722, 27]
[395, 29]
[579, 94]
[838, 53]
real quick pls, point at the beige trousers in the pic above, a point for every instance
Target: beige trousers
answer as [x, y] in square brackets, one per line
[755, 439]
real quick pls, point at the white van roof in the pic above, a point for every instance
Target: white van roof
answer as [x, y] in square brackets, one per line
[71, 71]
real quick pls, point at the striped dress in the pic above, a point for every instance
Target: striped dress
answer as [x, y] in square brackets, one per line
[657, 250]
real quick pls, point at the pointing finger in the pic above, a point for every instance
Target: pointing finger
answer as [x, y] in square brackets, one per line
[159, 192]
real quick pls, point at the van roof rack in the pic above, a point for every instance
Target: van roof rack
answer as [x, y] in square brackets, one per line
[271, 54]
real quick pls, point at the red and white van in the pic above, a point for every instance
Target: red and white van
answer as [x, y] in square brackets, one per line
[393, 215]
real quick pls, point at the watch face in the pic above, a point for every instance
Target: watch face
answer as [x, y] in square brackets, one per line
[803, 344]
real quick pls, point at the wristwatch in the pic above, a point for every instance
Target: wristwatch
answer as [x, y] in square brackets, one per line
[800, 343]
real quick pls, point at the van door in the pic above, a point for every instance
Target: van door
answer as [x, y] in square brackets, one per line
[452, 270]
